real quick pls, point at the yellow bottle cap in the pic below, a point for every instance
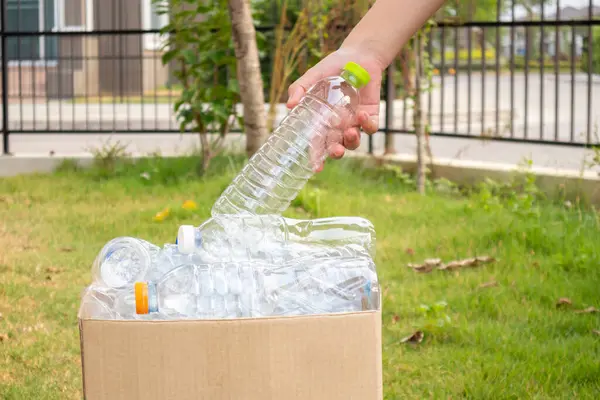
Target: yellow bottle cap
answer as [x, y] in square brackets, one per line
[141, 298]
[359, 76]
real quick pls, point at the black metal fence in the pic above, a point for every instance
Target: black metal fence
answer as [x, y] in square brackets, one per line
[531, 79]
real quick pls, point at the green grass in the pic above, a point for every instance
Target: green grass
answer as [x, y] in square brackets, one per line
[508, 341]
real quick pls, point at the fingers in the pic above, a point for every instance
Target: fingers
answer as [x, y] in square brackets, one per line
[302, 84]
[370, 124]
[351, 138]
[337, 151]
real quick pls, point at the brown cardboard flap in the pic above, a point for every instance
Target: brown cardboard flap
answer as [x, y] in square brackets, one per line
[312, 357]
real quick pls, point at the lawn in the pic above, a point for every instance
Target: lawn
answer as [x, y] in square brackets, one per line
[506, 336]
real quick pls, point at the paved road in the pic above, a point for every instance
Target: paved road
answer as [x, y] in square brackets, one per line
[571, 118]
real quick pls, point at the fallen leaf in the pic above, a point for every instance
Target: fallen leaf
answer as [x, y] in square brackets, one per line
[596, 332]
[410, 252]
[416, 337]
[3, 337]
[563, 301]
[395, 319]
[488, 284]
[589, 310]
[66, 249]
[162, 215]
[190, 205]
[469, 262]
[53, 270]
[427, 266]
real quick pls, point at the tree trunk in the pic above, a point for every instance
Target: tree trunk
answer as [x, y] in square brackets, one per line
[418, 115]
[390, 91]
[248, 72]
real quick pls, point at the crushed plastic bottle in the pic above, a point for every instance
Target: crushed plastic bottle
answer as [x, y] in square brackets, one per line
[253, 289]
[245, 234]
[276, 173]
[165, 260]
[294, 279]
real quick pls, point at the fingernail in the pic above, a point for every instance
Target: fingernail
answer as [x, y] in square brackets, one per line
[374, 124]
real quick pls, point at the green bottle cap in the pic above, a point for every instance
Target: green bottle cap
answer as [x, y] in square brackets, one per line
[358, 76]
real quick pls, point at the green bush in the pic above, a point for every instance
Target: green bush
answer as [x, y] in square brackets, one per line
[595, 53]
[549, 63]
[463, 55]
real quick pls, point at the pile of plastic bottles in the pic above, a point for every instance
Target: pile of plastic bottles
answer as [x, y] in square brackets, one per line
[247, 260]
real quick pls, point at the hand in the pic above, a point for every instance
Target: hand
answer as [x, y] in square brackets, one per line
[367, 116]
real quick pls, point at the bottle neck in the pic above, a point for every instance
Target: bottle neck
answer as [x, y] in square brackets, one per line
[350, 78]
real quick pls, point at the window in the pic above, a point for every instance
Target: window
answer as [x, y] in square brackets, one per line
[152, 21]
[42, 16]
[28, 16]
[70, 15]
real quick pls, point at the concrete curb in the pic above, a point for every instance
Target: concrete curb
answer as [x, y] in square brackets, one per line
[35, 163]
[572, 184]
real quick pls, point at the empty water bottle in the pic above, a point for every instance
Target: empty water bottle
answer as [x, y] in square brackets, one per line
[247, 234]
[276, 173]
[254, 289]
[123, 260]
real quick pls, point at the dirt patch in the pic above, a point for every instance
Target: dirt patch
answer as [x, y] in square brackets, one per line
[12, 243]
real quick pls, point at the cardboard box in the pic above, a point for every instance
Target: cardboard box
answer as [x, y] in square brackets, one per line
[324, 357]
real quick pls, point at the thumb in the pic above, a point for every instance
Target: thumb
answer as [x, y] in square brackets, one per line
[302, 84]
[295, 93]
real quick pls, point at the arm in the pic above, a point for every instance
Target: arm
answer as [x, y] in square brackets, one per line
[373, 43]
[388, 25]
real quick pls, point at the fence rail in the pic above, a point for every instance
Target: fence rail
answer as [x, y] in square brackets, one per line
[521, 81]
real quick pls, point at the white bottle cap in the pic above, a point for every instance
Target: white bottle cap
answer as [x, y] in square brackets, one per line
[186, 239]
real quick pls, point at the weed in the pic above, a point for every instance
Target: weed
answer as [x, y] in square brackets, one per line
[68, 165]
[434, 317]
[519, 195]
[110, 159]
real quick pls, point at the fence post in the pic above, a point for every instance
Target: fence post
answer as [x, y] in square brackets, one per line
[5, 132]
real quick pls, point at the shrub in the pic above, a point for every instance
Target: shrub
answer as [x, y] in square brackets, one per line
[595, 53]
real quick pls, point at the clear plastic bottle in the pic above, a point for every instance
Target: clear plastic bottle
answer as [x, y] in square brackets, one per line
[165, 260]
[276, 173]
[253, 289]
[122, 261]
[247, 234]
[97, 302]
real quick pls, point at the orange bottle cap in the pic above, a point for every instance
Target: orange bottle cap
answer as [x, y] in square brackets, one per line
[141, 297]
